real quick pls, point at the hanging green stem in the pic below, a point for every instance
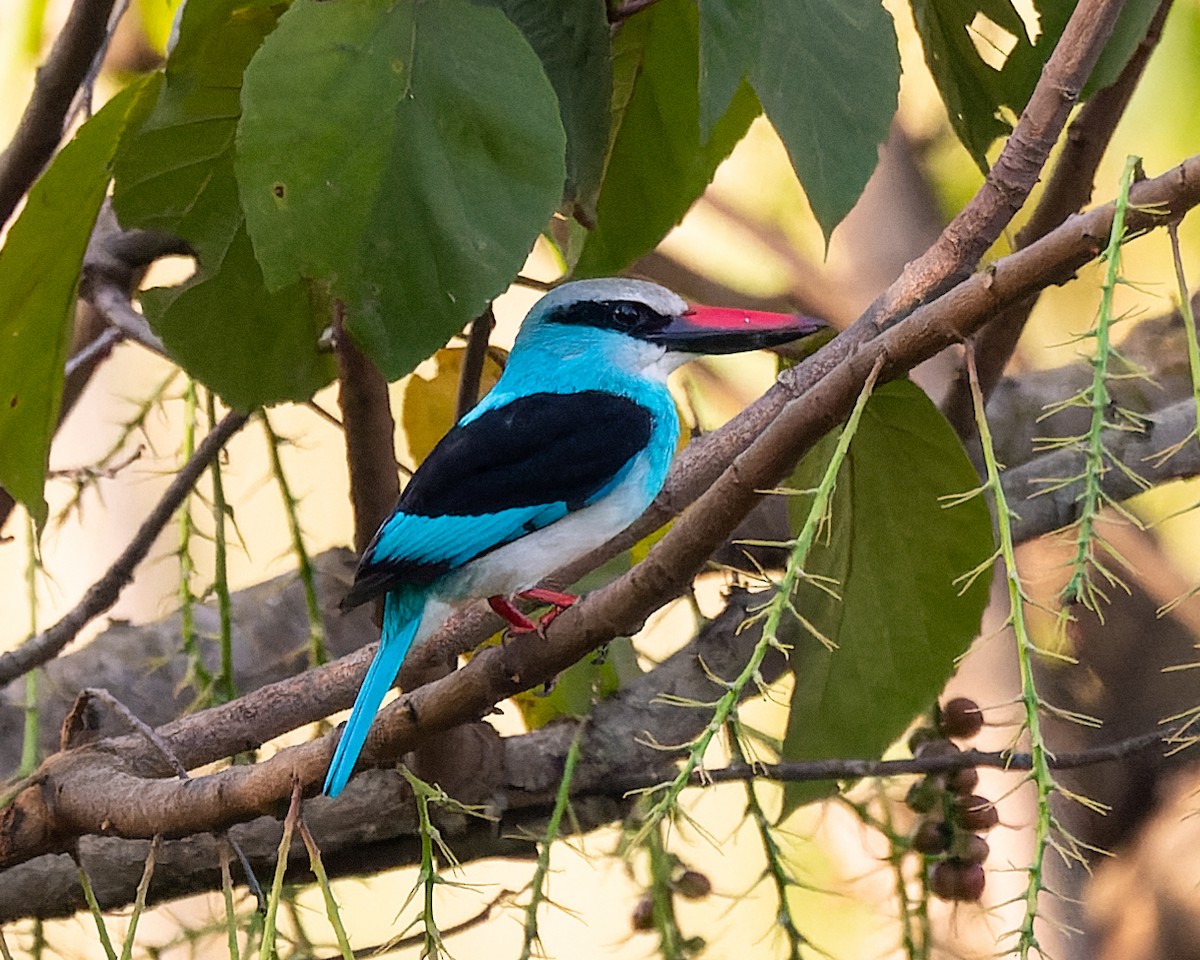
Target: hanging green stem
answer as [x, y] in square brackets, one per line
[197, 672]
[31, 734]
[1081, 587]
[776, 868]
[316, 624]
[139, 900]
[224, 686]
[267, 948]
[1040, 773]
[331, 906]
[671, 944]
[94, 907]
[779, 605]
[427, 875]
[1189, 318]
[537, 885]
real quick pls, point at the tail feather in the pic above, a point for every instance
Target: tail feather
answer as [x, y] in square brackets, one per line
[401, 619]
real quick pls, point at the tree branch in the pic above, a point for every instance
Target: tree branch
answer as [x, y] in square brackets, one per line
[369, 428]
[58, 80]
[1049, 502]
[979, 224]
[473, 362]
[1068, 190]
[372, 826]
[104, 592]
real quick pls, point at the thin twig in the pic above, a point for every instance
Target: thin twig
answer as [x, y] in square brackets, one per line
[108, 339]
[104, 592]
[806, 771]
[113, 303]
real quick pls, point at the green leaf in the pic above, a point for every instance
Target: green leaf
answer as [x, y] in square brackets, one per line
[266, 340]
[253, 346]
[408, 154]
[571, 37]
[827, 73]
[659, 163]
[981, 97]
[39, 276]
[895, 551]
[974, 90]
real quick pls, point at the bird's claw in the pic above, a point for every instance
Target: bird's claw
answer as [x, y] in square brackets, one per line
[518, 623]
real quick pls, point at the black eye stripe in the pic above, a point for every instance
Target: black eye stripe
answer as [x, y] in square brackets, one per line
[625, 316]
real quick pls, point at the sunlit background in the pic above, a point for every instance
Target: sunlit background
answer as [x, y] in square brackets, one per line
[751, 233]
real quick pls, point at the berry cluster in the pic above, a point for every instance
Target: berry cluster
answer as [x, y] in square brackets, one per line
[952, 815]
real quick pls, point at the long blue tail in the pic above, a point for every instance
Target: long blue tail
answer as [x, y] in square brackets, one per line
[401, 617]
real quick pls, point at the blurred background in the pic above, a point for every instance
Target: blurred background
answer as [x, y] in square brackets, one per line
[751, 235]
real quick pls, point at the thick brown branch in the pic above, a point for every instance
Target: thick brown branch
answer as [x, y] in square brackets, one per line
[58, 80]
[369, 427]
[822, 388]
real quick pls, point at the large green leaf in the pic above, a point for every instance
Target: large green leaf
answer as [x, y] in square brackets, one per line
[571, 37]
[39, 275]
[893, 552]
[175, 173]
[659, 163]
[827, 73]
[407, 153]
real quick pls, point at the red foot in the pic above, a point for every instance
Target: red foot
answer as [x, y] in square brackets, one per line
[552, 597]
[517, 621]
[558, 603]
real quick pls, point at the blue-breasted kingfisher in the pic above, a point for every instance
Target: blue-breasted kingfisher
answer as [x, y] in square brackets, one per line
[565, 452]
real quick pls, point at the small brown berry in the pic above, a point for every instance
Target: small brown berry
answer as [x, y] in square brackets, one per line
[932, 837]
[976, 813]
[970, 848]
[961, 718]
[957, 880]
[693, 885]
[962, 782]
[936, 748]
[643, 914]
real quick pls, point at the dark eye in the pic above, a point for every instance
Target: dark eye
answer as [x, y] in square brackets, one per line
[626, 316]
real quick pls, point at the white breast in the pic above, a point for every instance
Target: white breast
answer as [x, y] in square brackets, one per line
[524, 563]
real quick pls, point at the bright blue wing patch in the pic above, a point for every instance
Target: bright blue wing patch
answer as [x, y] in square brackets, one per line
[454, 540]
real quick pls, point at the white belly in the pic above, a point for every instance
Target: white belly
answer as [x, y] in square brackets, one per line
[524, 563]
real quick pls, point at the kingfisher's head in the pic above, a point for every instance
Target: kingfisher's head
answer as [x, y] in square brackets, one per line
[646, 328]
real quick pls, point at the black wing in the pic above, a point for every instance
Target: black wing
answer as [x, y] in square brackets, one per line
[508, 472]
